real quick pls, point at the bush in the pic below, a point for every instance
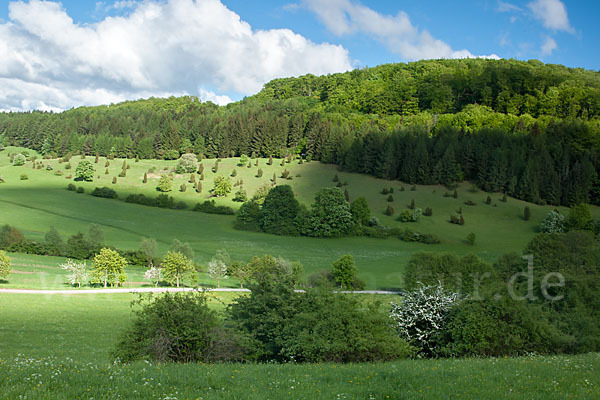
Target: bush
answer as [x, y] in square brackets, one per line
[165, 184]
[470, 203]
[177, 327]
[279, 211]
[240, 196]
[526, 213]
[389, 211]
[24, 177]
[187, 163]
[247, 217]
[316, 326]
[421, 315]
[84, 171]
[19, 160]
[210, 207]
[554, 222]
[80, 190]
[428, 212]
[105, 192]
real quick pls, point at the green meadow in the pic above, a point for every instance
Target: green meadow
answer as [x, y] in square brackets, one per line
[41, 201]
[59, 349]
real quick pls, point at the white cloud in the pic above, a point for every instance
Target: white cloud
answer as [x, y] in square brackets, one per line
[159, 48]
[507, 7]
[548, 46]
[552, 13]
[207, 95]
[396, 32]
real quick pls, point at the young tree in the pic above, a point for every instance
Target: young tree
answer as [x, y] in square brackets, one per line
[344, 271]
[217, 269]
[149, 249]
[153, 274]
[109, 267]
[187, 163]
[165, 184]
[579, 217]
[4, 264]
[175, 266]
[183, 248]
[222, 186]
[95, 235]
[85, 171]
[145, 180]
[526, 213]
[242, 271]
[55, 240]
[360, 211]
[471, 238]
[78, 272]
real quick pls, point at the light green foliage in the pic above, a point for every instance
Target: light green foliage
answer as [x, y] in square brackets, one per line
[5, 268]
[109, 268]
[85, 171]
[344, 271]
[165, 184]
[222, 186]
[176, 266]
[78, 272]
[217, 270]
[243, 160]
[19, 160]
[187, 163]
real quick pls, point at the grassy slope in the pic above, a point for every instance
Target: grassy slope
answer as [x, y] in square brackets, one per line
[59, 350]
[35, 204]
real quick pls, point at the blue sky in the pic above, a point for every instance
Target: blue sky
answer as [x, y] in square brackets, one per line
[62, 55]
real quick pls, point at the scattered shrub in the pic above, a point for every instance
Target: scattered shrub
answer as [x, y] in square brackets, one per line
[104, 192]
[24, 177]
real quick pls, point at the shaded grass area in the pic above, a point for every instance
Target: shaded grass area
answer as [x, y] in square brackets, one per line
[59, 349]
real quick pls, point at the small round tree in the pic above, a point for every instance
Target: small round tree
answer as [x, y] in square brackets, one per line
[85, 171]
[165, 184]
[19, 160]
[187, 163]
[222, 186]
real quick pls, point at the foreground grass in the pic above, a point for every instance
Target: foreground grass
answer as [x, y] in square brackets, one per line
[528, 377]
[57, 347]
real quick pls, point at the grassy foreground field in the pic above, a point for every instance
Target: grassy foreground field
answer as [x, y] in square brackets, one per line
[41, 201]
[60, 349]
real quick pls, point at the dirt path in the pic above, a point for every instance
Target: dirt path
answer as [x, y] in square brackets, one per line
[156, 290]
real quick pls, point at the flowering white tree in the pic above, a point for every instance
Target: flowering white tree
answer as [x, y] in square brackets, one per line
[422, 314]
[554, 222]
[78, 272]
[217, 269]
[153, 274]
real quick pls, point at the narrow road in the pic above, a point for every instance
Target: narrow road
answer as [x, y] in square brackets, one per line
[159, 290]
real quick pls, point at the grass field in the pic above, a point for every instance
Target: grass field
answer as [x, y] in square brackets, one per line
[59, 349]
[41, 201]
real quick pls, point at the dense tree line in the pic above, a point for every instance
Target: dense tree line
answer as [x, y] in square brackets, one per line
[525, 128]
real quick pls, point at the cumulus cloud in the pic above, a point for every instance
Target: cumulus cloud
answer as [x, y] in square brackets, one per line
[159, 48]
[548, 46]
[552, 14]
[396, 32]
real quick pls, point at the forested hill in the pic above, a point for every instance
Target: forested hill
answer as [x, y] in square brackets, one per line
[447, 86]
[524, 128]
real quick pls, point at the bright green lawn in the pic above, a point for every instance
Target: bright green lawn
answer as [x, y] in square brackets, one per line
[56, 347]
[35, 204]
